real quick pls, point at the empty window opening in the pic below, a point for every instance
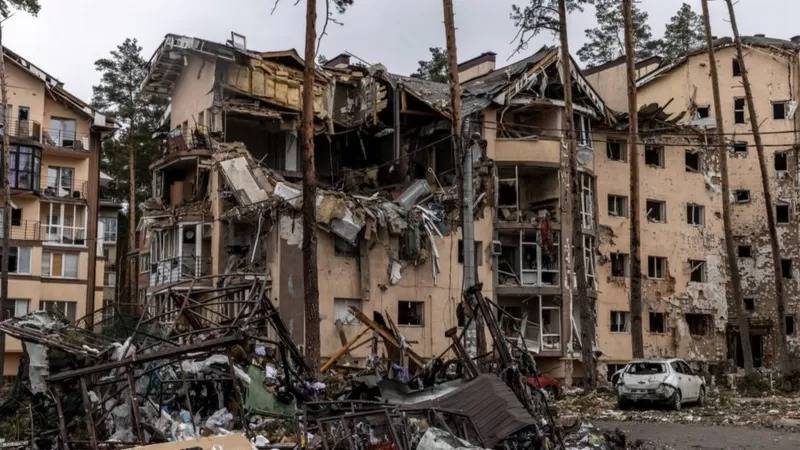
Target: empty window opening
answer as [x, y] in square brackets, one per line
[656, 211]
[782, 213]
[656, 322]
[781, 161]
[738, 110]
[740, 148]
[780, 110]
[16, 217]
[695, 214]
[693, 161]
[341, 310]
[588, 261]
[619, 264]
[620, 322]
[790, 325]
[16, 307]
[749, 303]
[744, 251]
[587, 201]
[529, 258]
[697, 270]
[617, 206]
[703, 112]
[741, 196]
[654, 155]
[736, 70]
[656, 267]
[615, 151]
[786, 268]
[478, 252]
[410, 313]
[343, 248]
[699, 324]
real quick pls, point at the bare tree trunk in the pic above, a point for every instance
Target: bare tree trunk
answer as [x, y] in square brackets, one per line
[637, 329]
[780, 294]
[130, 280]
[722, 154]
[310, 282]
[580, 295]
[6, 200]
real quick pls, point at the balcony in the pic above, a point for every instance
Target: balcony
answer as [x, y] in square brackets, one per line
[66, 139]
[544, 151]
[528, 258]
[28, 130]
[182, 268]
[26, 230]
[63, 235]
[534, 324]
[55, 186]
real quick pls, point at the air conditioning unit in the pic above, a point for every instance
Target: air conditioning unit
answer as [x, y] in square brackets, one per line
[497, 248]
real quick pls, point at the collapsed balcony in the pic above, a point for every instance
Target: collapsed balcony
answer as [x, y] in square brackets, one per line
[534, 323]
[529, 258]
[181, 177]
[527, 194]
[179, 253]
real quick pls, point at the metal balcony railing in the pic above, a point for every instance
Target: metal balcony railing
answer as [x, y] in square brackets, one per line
[64, 187]
[56, 137]
[24, 129]
[63, 234]
[27, 230]
[173, 270]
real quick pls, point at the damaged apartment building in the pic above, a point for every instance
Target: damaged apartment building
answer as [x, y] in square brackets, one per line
[226, 193]
[683, 87]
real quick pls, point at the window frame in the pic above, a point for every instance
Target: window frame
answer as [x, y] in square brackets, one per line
[686, 166]
[64, 257]
[739, 112]
[736, 68]
[697, 266]
[788, 214]
[662, 208]
[736, 198]
[657, 147]
[787, 268]
[617, 201]
[663, 327]
[614, 324]
[775, 159]
[623, 153]
[58, 304]
[695, 215]
[617, 258]
[416, 303]
[350, 319]
[659, 267]
[784, 105]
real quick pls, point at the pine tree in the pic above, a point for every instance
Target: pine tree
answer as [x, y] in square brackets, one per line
[683, 33]
[606, 42]
[434, 69]
[539, 16]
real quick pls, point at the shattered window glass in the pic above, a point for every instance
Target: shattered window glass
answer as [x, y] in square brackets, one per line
[645, 368]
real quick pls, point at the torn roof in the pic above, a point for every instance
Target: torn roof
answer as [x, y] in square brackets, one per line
[434, 94]
[748, 41]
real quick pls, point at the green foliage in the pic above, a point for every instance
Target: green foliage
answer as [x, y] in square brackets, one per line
[137, 115]
[683, 32]
[434, 69]
[29, 6]
[539, 16]
[607, 40]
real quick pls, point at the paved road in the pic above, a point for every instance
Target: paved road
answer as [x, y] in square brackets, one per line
[706, 437]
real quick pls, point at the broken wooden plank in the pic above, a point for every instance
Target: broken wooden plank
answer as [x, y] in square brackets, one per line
[342, 350]
[386, 335]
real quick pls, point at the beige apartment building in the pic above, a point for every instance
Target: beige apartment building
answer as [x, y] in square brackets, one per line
[684, 89]
[53, 171]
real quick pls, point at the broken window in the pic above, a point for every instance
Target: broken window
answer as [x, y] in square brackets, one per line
[790, 325]
[551, 328]
[619, 264]
[16, 217]
[741, 196]
[749, 303]
[656, 211]
[654, 155]
[529, 258]
[61, 307]
[478, 252]
[16, 307]
[656, 322]
[620, 322]
[740, 148]
[587, 201]
[341, 310]
[735, 68]
[583, 128]
[656, 267]
[617, 206]
[782, 213]
[780, 110]
[588, 261]
[781, 161]
[410, 313]
[615, 151]
[738, 110]
[699, 324]
[744, 251]
[507, 192]
[693, 162]
[786, 268]
[343, 248]
[695, 214]
[703, 112]
[697, 270]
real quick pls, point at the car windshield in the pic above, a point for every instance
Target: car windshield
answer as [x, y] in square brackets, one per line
[645, 368]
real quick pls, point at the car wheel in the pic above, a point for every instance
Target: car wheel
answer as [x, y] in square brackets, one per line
[621, 402]
[676, 400]
[701, 397]
[552, 392]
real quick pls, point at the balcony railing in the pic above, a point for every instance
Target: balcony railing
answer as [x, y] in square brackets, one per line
[61, 187]
[63, 234]
[24, 129]
[27, 230]
[173, 270]
[57, 137]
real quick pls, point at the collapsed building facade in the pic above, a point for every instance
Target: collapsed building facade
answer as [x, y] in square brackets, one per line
[684, 88]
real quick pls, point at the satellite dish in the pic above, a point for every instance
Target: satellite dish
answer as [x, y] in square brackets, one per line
[585, 155]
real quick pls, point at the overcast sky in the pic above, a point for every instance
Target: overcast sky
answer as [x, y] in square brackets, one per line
[69, 35]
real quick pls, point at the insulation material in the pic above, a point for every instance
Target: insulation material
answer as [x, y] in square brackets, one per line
[289, 194]
[38, 367]
[291, 230]
[246, 189]
[348, 227]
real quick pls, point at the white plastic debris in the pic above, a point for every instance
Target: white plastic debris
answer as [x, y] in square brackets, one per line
[220, 422]
[271, 372]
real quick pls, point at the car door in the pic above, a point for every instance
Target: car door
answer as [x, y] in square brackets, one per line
[682, 380]
[693, 379]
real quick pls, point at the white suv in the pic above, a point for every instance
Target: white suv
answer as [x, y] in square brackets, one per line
[669, 381]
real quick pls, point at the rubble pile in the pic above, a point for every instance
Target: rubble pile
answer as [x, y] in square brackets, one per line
[722, 407]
